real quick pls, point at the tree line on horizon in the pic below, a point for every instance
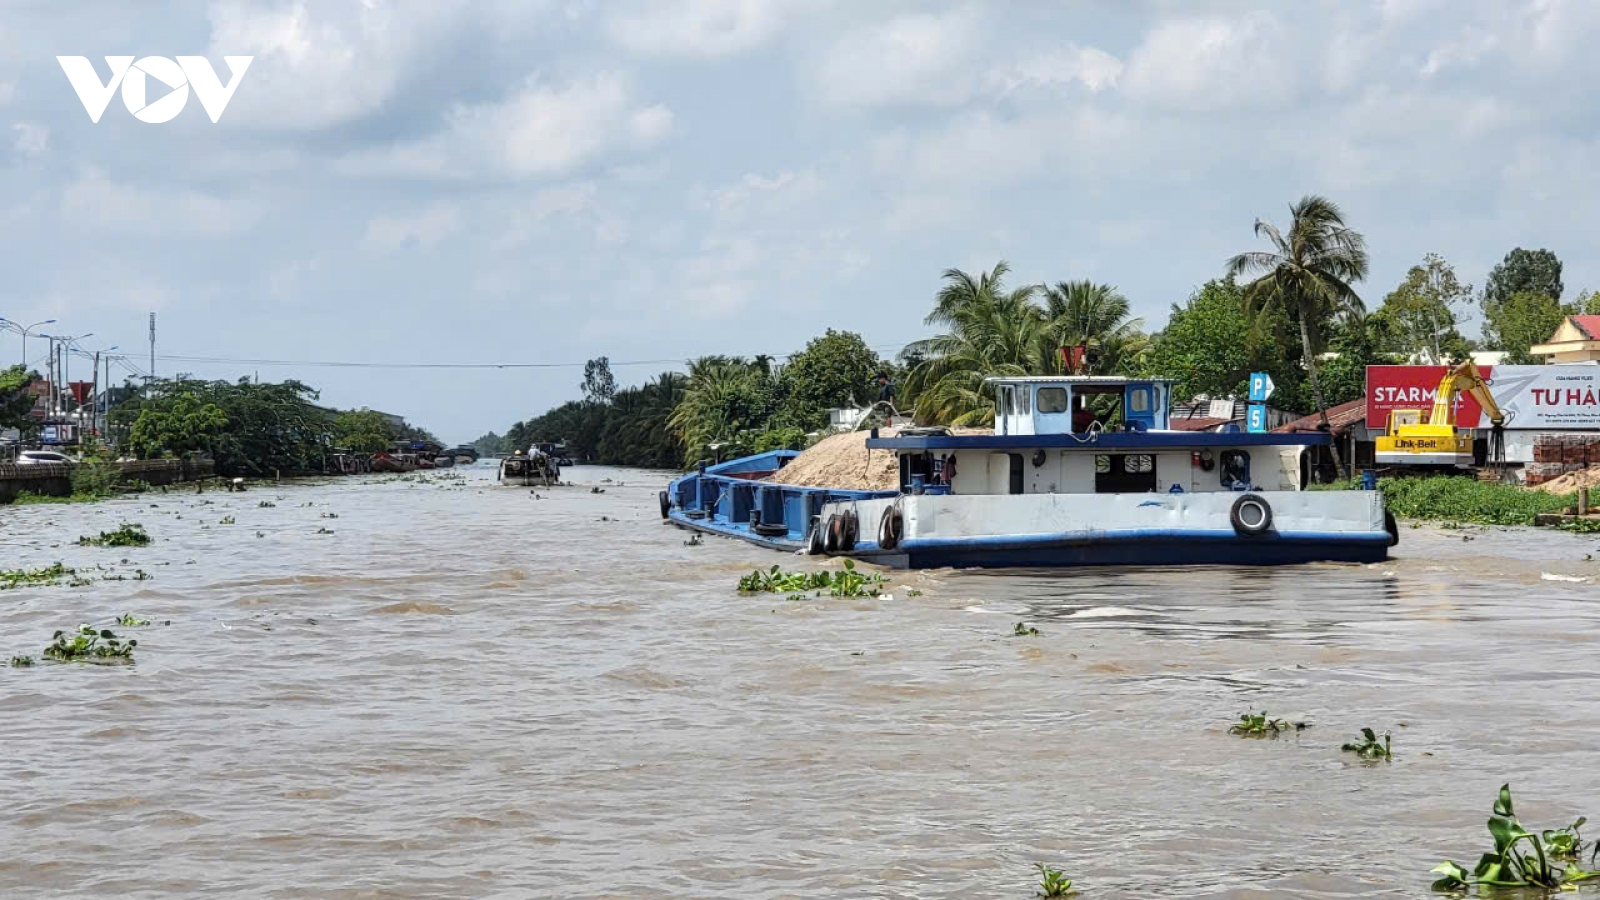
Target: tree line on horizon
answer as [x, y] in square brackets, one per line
[1289, 307]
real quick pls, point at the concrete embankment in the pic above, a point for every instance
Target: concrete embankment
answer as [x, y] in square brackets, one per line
[55, 480]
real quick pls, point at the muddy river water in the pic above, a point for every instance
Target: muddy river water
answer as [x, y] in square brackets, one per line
[465, 691]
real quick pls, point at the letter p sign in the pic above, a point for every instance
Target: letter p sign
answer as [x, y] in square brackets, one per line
[172, 80]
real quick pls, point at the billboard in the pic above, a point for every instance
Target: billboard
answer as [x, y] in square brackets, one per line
[1540, 398]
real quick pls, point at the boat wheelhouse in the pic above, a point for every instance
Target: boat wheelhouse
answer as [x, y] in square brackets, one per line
[1078, 471]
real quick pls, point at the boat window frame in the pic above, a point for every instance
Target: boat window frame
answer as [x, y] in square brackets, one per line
[1066, 401]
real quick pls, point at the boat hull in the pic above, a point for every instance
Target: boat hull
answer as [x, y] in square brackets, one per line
[1047, 530]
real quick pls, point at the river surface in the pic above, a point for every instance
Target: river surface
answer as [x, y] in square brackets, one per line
[468, 691]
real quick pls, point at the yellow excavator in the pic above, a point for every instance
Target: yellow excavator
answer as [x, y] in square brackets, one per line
[1409, 441]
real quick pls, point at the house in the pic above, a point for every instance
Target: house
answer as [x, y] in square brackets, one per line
[1577, 340]
[1347, 422]
[1204, 414]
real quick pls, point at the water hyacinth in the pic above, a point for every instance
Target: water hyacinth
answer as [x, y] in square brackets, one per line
[89, 643]
[1519, 859]
[848, 583]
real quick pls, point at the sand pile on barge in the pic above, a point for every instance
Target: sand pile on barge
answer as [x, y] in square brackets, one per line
[843, 461]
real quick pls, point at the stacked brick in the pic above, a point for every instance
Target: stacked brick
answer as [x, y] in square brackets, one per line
[1554, 455]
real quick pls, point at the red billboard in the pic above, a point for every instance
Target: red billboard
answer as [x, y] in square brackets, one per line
[1414, 387]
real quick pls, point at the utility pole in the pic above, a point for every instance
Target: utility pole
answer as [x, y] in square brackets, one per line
[152, 346]
[94, 398]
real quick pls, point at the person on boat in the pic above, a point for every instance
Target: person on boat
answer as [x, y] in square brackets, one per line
[886, 389]
[1082, 418]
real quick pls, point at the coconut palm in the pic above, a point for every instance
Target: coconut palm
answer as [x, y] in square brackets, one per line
[1308, 273]
[1093, 315]
[992, 331]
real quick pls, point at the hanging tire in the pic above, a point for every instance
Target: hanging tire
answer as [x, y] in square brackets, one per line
[890, 529]
[1391, 526]
[815, 537]
[1251, 515]
[833, 535]
[666, 504]
[852, 532]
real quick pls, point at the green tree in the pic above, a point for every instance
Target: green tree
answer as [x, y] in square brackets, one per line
[1523, 271]
[1308, 273]
[15, 399]
[1418, 318]
[991, 332]
[263, 428]
[363, 430]
[1093, 315]
[491, 444]
[599, 385]
[1520, 321]
[1358, 345]
[182, 426]
[724, 398]
[1587, 304]
[833, 370]
[1211, 345]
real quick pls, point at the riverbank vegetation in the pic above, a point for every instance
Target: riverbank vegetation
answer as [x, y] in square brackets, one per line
[1289, 307]
[249, 428]
[1456, 499]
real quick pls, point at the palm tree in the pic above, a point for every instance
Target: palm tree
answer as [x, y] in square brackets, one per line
[992, 332]
[1308, 273]
[1092, 315]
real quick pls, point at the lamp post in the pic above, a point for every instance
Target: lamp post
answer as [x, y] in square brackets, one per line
[17, 326]
[66, 341]
[94, 407]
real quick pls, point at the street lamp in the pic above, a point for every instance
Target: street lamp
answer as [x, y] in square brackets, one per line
[66, 341]
[24, 332]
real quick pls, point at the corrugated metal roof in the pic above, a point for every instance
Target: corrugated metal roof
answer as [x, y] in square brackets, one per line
[1340, 418]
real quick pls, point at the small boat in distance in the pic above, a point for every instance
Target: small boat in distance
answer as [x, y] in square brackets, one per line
[1079, 471]
[528, 469]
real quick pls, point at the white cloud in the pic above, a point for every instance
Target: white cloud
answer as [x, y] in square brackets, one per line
[8, 92]
[1091, 67]
[33, 139]
[422, 229]
[1198, 64]
[1465, 50]
[540, 130]
[96, 202]
[917, 59]
[764, 196]
[698, 29]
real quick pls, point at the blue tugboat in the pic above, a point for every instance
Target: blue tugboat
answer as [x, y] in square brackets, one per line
[1080, 471]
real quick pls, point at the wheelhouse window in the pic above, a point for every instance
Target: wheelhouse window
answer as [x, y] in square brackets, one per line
[1139, 400]
[1124, 473]
[1052, 400]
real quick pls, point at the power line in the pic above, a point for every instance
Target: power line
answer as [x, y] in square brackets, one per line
[353, 364]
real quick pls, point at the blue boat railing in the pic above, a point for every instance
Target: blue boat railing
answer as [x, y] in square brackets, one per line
[717, 498]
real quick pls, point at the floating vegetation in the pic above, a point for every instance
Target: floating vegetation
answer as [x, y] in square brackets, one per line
[597, 490]
[1053, 882]
[89, 643]
[1520, 858]
[1024, 630]
[913, 592]
[1259, 725]
[330, 515]
[1565, 843]
[324, 531]
[226, 520]
[1369, 748]
[128, 535]
[848, 583]
[21, 662]
[44, 577]
[266, 504]
[694, 540]
[129, 620]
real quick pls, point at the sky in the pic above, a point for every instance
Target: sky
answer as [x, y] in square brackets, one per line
[546, 181]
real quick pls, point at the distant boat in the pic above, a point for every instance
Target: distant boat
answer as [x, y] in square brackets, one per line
[383, 461]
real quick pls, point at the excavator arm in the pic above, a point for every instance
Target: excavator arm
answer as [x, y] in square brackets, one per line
[1465, 376]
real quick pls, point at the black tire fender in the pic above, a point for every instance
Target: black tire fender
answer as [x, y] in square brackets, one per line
[833, 534]
[666, 504]
[852, 531]
[1391, 526]
[890, 529]
[815, 537]
[1251, 515]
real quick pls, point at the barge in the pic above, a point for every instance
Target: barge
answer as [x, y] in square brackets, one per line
[1079, 471]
